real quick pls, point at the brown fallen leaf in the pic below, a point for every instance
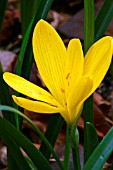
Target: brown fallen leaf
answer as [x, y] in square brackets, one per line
[101, 122]
[101, 103]
[8, 59]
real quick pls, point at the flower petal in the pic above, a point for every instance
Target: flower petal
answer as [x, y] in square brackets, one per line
[27, 88]
[98, 59]
[80, 93]
[74, 64]
[35, 106]
[49, 53]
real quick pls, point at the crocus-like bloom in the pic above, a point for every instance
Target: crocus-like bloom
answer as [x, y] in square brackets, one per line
[69, 76]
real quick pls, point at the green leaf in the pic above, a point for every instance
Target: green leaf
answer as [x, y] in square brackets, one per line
[101, 153]
[89, 23]
[18, 158]
[26, 59]
[3, 5]
[12, 110]
[103, 19]
[33, 167]
[92, 137]
[26, 55]
[28, 10]
[52, 131]
[5, 97]
[34, 154]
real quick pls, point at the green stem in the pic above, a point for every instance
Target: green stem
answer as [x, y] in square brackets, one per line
[67, 151]
[76, 159]
[88, 41]
[75, 148]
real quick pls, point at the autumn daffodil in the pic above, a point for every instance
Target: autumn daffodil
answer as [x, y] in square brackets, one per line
[69, 76]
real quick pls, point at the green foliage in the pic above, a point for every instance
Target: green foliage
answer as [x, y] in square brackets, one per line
[101, 153]
[103, 19]
[11, 110]
[88, 41]
[28, 10]
[52, 131]
[93, 142]
[7, 129]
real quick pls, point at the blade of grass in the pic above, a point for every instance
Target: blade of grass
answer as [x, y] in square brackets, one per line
[101, 153]
[103, 19]
[5, 97]
[88, 41]
[26, 59]
[88, 24]
[33, 167]
[34, 154]
[52, 131]
[20, 161]
[92, 137]
[28, 10]
[3, 5]
[12, 110]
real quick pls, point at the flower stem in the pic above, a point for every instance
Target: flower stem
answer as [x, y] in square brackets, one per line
[75, 148]
[67, 151]
[76, 158]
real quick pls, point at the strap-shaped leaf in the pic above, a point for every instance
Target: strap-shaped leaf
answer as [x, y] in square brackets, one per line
[88, 24]
[101, 153]
[25, 60]
[52, 131]
[13, 149]
[103, 19]
[12, 110]
[88, 41]
[34, 154]
[28, 10]
[92, 139]
[5, 97]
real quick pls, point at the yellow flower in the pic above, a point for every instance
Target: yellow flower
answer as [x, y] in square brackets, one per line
[69, 77]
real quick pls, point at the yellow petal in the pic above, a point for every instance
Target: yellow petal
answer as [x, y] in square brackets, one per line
[74, 64]
[98, 59]
[35, 106]
[27, 88]
[80, 93]
[49, 53]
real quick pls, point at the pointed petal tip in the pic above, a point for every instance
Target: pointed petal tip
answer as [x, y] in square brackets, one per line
[75, 40]
[14, 98]
[5, 76]
[41, 23]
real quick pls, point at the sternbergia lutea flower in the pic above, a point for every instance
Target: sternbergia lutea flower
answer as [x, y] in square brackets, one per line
[69, 76]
